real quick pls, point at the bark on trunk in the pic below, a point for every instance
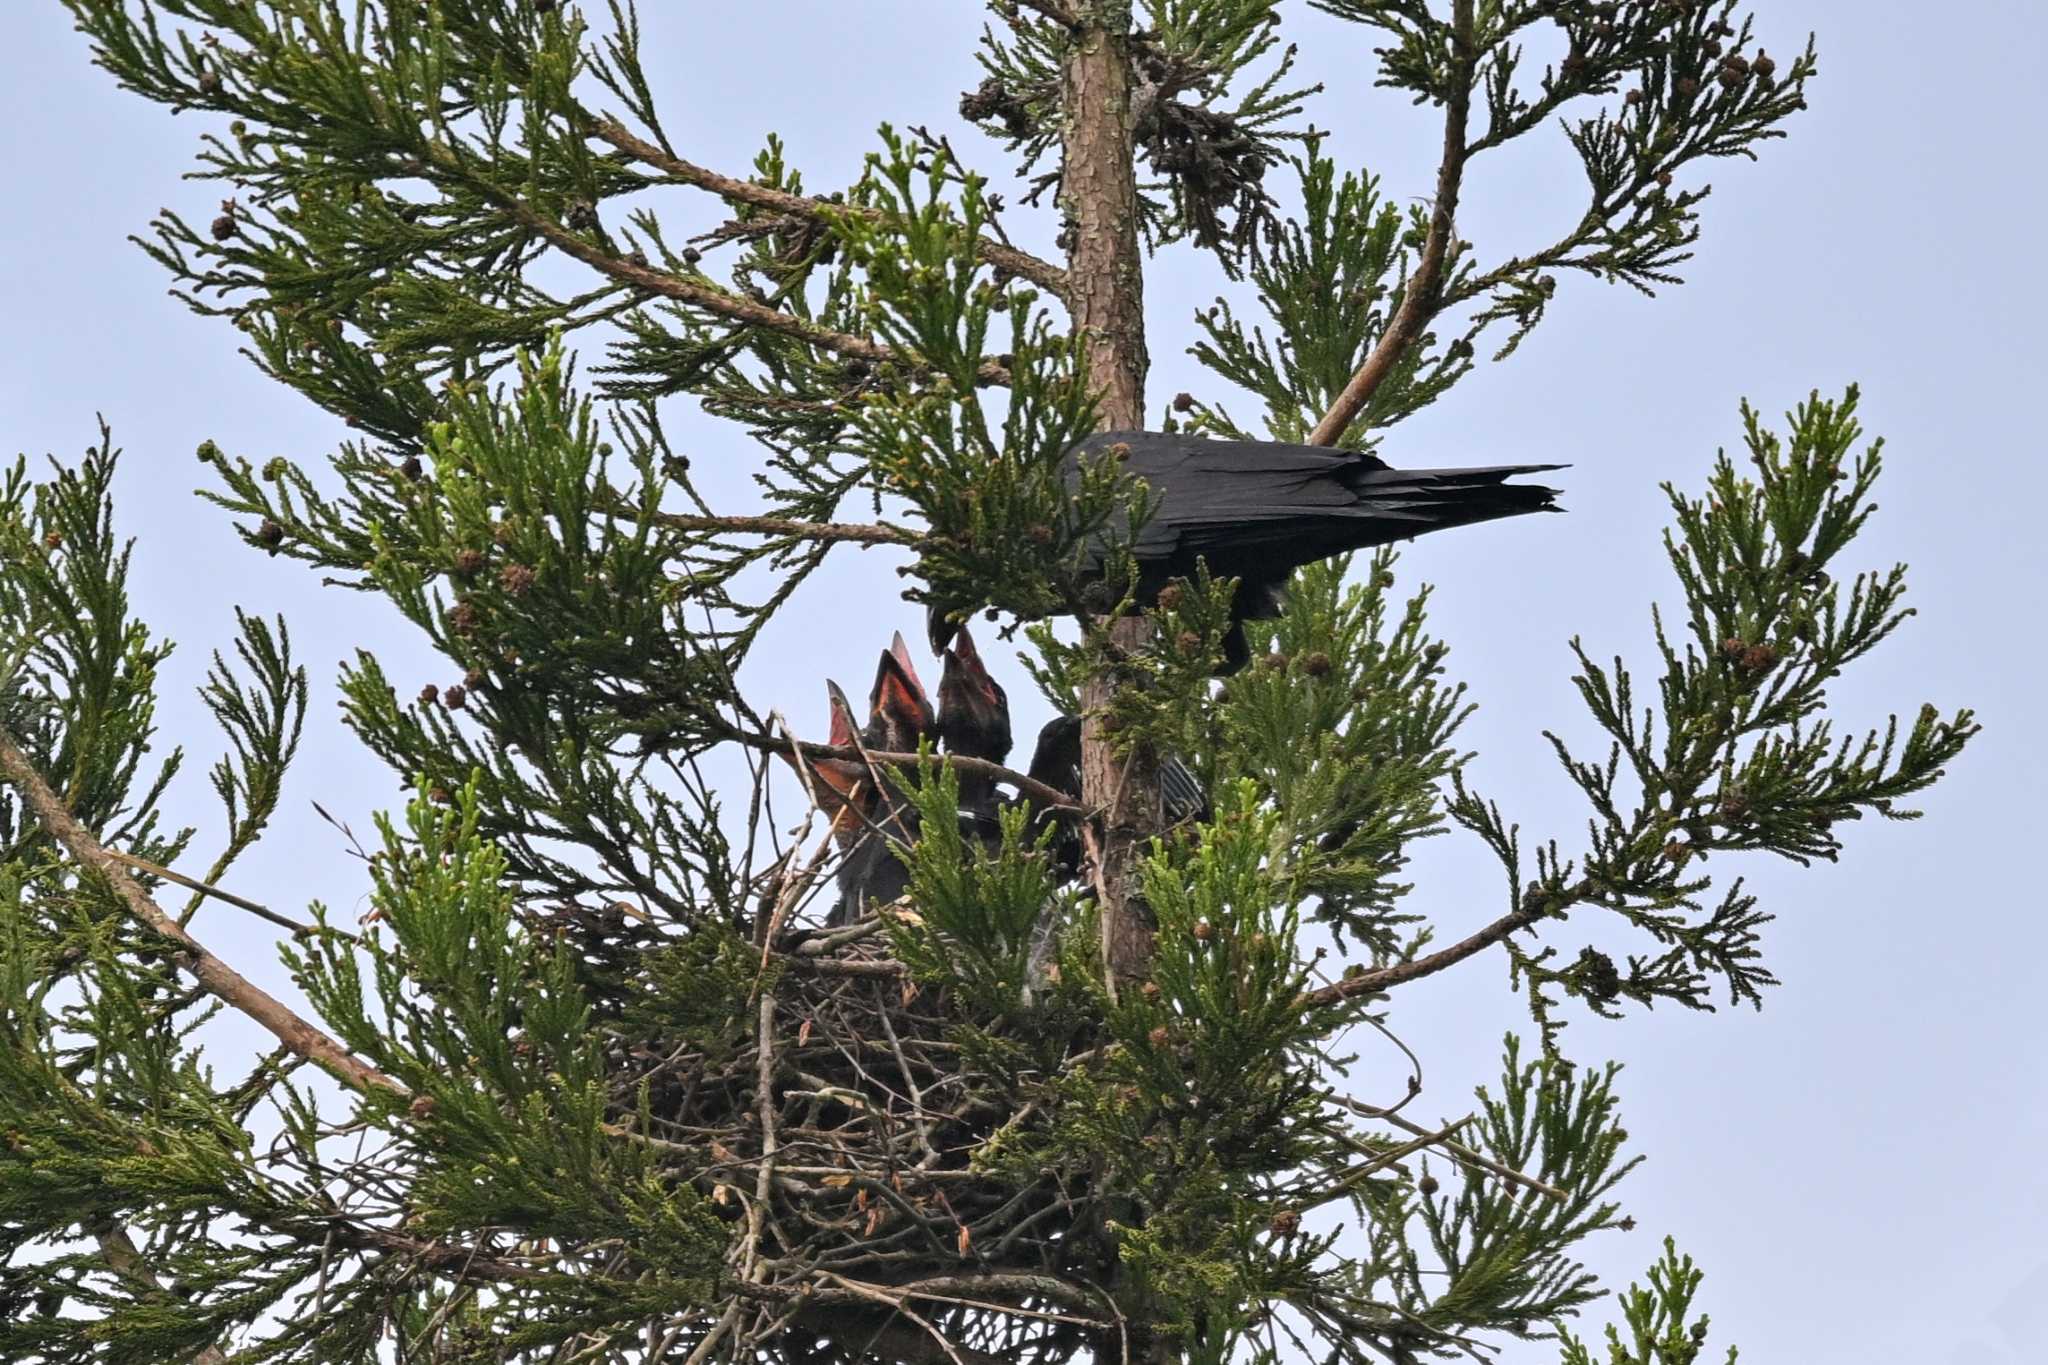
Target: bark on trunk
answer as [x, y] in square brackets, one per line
[1105, 291]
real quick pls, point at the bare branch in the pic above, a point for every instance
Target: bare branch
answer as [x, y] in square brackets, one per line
[857, 532]
[208, 889]
[1371, 983]
[850, 753]
[1459, 1150]
[1419, 298]
[1022, 264]
[220, 980]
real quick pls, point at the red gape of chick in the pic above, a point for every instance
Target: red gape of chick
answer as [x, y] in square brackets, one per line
[867, 816]
[872, 822]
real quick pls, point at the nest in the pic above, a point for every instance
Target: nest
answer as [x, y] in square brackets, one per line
[844, 1122]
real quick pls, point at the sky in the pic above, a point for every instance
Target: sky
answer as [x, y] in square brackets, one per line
[1857, 1167]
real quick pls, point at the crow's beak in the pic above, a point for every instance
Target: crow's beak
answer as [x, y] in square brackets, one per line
[939, 628]
[834, 779]
[970, 665]
[844, 725]
[974, 714]
[900, 652]
[899, 697]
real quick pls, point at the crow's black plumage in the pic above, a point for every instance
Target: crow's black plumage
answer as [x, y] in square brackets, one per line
[871, 820]
[1056, 761]
[1258, 510]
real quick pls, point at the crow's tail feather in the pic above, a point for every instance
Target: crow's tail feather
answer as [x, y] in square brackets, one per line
[1437, 498]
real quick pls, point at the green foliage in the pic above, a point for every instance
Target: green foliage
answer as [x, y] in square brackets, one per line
[976, 907]
[77, 672]
[930, 437]
[1367, 679]
[642, 1104]
[1660, 1326]
[1210, 108]
[1735, 754]
[1696, 86]
[490, 1033]
[108, 1120]
[1330, 280]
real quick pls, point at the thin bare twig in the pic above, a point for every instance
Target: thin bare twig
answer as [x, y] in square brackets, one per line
[847, 753]
[208, 889]
[1465, 1155]
[1388, 1158]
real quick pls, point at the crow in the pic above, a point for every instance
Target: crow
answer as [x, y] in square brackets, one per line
[1056, 761]
[1258, 510]
[974, 720]
[871, 820]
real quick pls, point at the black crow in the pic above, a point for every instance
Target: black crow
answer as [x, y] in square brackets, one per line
[1258, 510]
[1056, 761]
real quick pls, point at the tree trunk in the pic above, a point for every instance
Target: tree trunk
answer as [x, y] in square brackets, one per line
[1106, 293]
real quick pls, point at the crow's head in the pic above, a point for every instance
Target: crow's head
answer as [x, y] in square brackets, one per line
[974, 715]
[899, 714]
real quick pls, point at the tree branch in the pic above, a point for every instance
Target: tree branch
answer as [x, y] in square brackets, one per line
[221, 981]
[1458, 1150]
[1371, 983]
[1419, 299]
[1022, 264]
[208, 889]
[118, 1250]
[856, 532]
[714, 300]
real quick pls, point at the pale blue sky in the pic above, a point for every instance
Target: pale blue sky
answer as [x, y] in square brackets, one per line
[1858, 1167]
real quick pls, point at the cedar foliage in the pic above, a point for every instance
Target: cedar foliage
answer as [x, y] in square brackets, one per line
[609, 1095]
